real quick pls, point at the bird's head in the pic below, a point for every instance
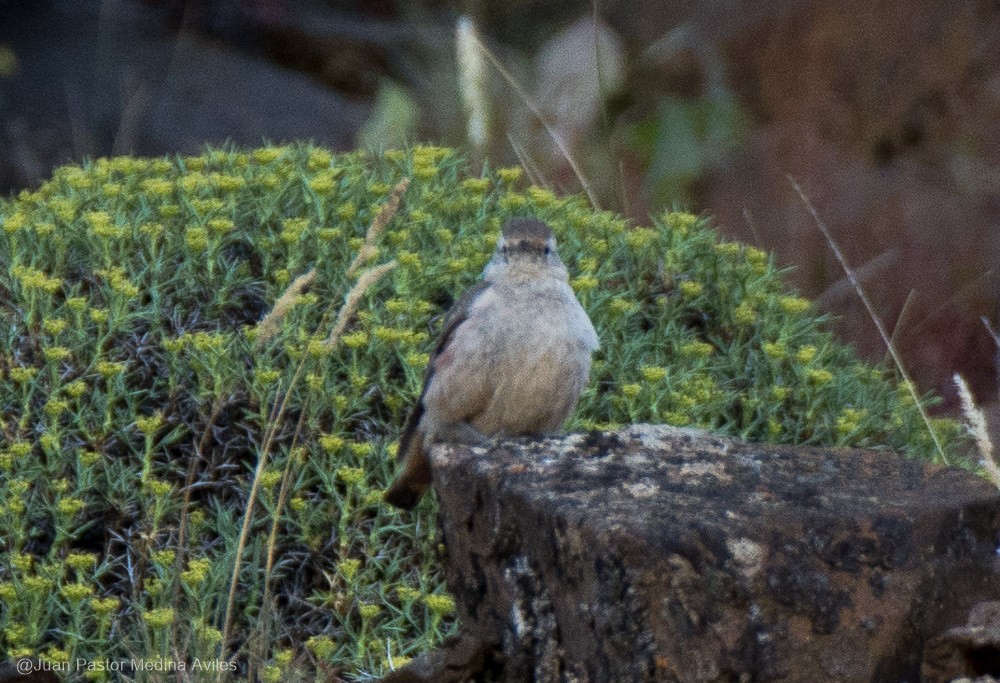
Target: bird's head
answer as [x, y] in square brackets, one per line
[527, 245]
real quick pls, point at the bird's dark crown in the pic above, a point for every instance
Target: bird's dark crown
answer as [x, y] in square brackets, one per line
[526, 233]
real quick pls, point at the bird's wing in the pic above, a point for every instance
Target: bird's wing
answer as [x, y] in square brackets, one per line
[456, 315]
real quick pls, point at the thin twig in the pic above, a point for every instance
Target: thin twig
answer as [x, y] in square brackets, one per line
[186, 503]
[910, 386]
[910, 298]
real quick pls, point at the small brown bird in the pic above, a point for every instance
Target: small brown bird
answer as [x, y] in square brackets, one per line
[512, 359]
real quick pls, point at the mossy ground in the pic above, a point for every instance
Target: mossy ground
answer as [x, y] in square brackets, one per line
[136, 398]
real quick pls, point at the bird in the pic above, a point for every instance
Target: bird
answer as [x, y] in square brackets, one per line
[512, 358]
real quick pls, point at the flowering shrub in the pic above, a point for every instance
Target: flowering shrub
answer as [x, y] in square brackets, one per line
[138, 392]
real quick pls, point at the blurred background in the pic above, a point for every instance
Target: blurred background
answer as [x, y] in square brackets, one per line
[887, 114]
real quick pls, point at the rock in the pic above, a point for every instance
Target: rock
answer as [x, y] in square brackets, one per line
[966, 651]
[663, 554]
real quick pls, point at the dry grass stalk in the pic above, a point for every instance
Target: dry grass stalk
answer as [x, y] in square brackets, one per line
[879, 325]
[472, 81]
[378, 226]
[530, 104]
[269, 326]
[977, 427]
[350, 306]
[353, 300]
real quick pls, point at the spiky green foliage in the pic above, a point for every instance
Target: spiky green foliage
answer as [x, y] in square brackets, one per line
[135, 396]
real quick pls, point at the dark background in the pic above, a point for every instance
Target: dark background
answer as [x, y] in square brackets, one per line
[887, 113]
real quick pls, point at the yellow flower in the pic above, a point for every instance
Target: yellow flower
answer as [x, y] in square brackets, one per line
[55, 407]
[220, 225]
[512, 201]
[319, 158]
[849, 420]
[775, 350]
[196, 572]
[75, 389]
[774, 428]
[805, 353]
[102, 606]
[351, 475]
[640, 238]
[349, 568]
[15, 222]
[820, 377]
[680, 222]
[676, 418]
[227, 183]
[409, 259]
[622, 306]
[164, 558]
[159, 488]
[322, 647]
[159, 618]
[368, 611]
[37, 585]
[424, 171]
[77, 304]
[541, 196]
[76, 592]
[270, 478]
[157, 186]
[511, 174]
[56, 353]
[757, 259]
[149, 425]
[331, 443]
[691, 289]
[653, 374]
[744, 314]
[417, 360]
[22, 375]
[355, 339]
[81, 561]
[407, 593]
[22, 561]
[109, 369]
[630, 390]
[793, 304]
[697, 349]
[584, 283]
[440, 605]
[476, 185]
[196, 238]
[267, 154]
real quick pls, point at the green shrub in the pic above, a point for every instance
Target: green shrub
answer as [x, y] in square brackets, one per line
[137, 392]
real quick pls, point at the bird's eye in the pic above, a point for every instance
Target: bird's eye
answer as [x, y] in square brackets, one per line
[503, 249]
[548, 250]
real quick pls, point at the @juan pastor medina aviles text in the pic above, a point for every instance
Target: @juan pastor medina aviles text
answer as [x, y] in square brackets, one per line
[26, 666]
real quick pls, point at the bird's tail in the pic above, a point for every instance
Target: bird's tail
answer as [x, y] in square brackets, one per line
[411, 485]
